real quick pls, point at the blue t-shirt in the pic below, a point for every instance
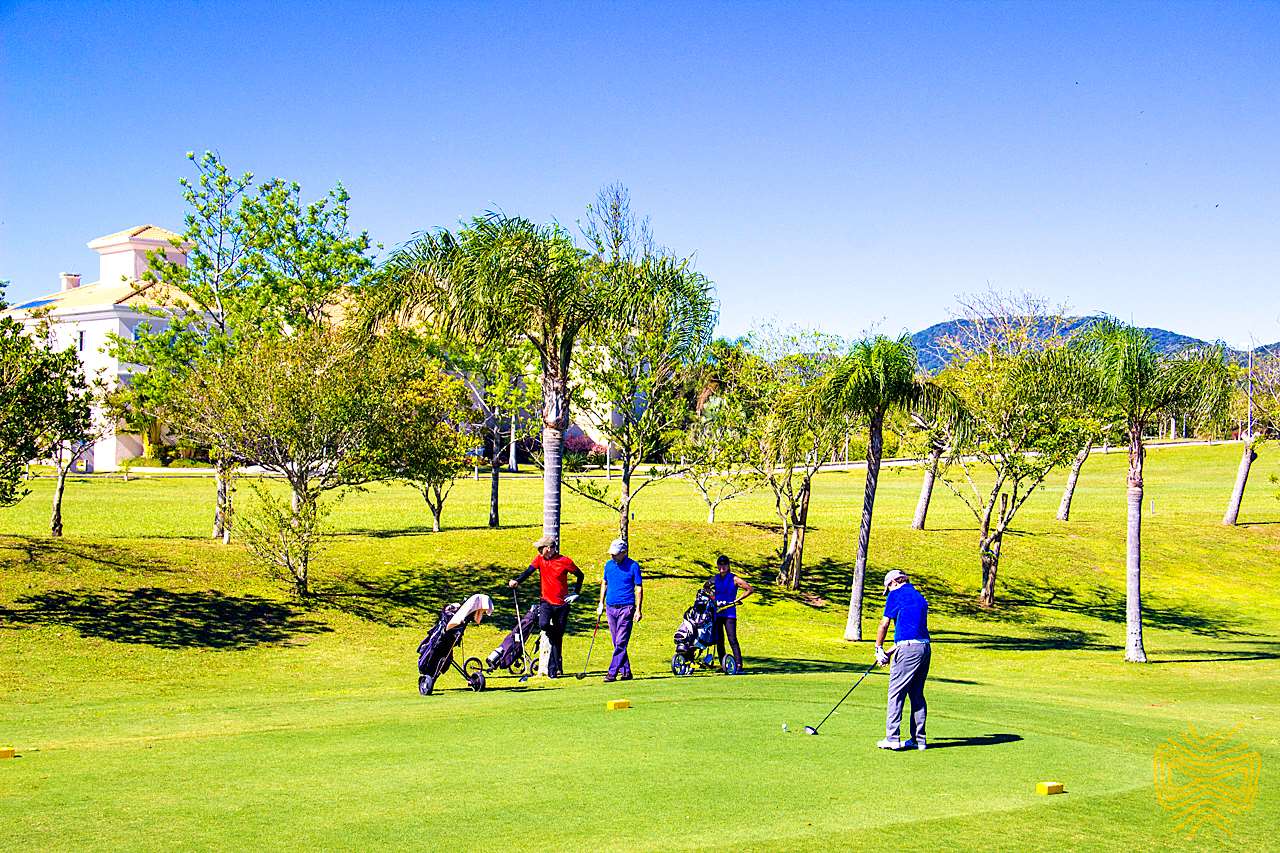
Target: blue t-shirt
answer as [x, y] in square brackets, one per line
[621, 582]
[726, 591]
[909, 611]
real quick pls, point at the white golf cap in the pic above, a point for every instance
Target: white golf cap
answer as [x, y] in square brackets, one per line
[617, 546]
[893, 575]
[545, 542]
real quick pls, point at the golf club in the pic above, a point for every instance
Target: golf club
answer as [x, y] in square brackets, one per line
[583, 674]
[813, 730]
[524, 649]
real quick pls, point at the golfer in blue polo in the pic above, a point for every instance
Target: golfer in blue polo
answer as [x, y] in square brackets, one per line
[908, 610]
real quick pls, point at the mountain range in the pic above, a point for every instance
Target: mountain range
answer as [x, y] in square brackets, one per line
[933, 356]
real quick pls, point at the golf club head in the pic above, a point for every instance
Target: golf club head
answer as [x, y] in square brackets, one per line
[580, 675]
[810, 730]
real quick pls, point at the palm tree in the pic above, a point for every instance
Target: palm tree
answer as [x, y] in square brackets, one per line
[879, 375]
[502, 278]
[1140, 382]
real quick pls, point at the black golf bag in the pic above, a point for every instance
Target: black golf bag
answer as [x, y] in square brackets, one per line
[435, 653]
[510, 653]
[696, 631]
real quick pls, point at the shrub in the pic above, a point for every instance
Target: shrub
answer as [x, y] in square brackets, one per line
[189, 463]
[145, 462]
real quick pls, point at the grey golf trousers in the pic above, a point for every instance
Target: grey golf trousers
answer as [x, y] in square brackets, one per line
[907, 672]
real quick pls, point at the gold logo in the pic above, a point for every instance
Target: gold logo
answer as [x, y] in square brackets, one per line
[1206, 779]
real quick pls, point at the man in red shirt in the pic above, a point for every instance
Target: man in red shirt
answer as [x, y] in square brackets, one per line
[553, 611]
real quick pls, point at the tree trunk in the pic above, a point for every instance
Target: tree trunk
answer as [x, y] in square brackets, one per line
[436, 507]
[302, 568]
[990, 545]
[853, 625]
[793, 563]
[55, 521]
[552, 473]
[495, 473]
[222, 505]
[1068, 493]
[1242, 477]
[624, 500]
[926, 487]
[1133, 650]
[513, 454]
[711, 513]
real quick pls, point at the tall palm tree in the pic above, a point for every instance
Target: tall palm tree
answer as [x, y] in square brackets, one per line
[877, 376]
[1140, 382]
[502, 278]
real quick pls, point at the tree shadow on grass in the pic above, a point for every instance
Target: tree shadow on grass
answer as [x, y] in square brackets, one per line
[166, 619]
[43, 554]
[1044, 640]
[415, 595]
[422, 530]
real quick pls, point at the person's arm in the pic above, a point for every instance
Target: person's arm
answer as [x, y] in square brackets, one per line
[882, 657]
[639, 602]
[522, 577]
[741, 584]
[577, 573]
[604, 584]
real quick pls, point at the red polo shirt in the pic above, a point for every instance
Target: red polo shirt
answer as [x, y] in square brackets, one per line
[554, 574]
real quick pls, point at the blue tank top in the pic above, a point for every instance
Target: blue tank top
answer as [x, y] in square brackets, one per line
[726, 591]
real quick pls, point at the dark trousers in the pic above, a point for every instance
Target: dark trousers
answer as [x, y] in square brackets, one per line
[553, 619]
[620, 622]
[727, 625]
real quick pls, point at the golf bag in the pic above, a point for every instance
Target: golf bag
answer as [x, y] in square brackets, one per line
[696, 631]
[435, 652]
[510, 653]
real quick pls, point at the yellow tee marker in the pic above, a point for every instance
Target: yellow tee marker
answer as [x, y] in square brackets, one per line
[7, 752]
[617, 704]
[1046, 788]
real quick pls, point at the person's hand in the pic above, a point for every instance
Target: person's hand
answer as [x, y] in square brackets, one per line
[882, 657]
[513, 583]
[599, 610]
[639, 615]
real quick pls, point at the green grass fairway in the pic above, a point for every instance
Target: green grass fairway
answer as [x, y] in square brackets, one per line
[164, 694]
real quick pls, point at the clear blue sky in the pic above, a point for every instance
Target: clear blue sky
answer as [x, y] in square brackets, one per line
[852, 166]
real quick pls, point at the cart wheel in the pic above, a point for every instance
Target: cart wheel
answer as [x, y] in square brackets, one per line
[476, 681]
[425, 684]
[680, 666]
[472, 666]
[730, 665]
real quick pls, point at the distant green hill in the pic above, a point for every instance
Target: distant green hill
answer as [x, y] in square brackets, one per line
[929, 342]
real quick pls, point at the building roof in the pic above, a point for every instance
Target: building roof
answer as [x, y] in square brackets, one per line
[137, 232]
[101, 295]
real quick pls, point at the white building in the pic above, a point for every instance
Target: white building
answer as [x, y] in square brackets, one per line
[83, 315]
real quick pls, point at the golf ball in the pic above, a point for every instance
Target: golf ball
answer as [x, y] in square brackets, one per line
[784, 727]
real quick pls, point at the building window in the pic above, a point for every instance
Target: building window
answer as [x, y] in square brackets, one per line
[80, 341]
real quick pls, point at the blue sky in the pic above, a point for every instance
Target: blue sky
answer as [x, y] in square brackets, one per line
[849, 166]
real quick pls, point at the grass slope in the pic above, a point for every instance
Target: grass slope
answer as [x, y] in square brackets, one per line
[164, 694]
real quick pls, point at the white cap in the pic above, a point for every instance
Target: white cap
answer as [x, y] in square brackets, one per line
[893, 575]
[617, 547]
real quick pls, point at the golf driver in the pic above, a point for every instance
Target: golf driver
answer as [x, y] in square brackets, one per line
[524, 649]
[813, 730]
[591, 647]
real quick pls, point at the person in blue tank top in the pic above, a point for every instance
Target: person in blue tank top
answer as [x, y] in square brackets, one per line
[727, 601]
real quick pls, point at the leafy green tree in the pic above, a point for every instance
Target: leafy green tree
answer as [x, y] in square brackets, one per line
[256, 263]
[790, 436]
[421, 435]
[305, 407]
[35, 385]
[1136, 379]
[878, 375]
[499, 279]
[715, 452]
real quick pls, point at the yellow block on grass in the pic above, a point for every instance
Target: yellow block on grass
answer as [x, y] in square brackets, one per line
[1046, 788]
[617, 704]
[6, 752]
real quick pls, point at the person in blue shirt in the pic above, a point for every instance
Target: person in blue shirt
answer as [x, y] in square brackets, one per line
[727, 601]
[622, 598]
[908, 610]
